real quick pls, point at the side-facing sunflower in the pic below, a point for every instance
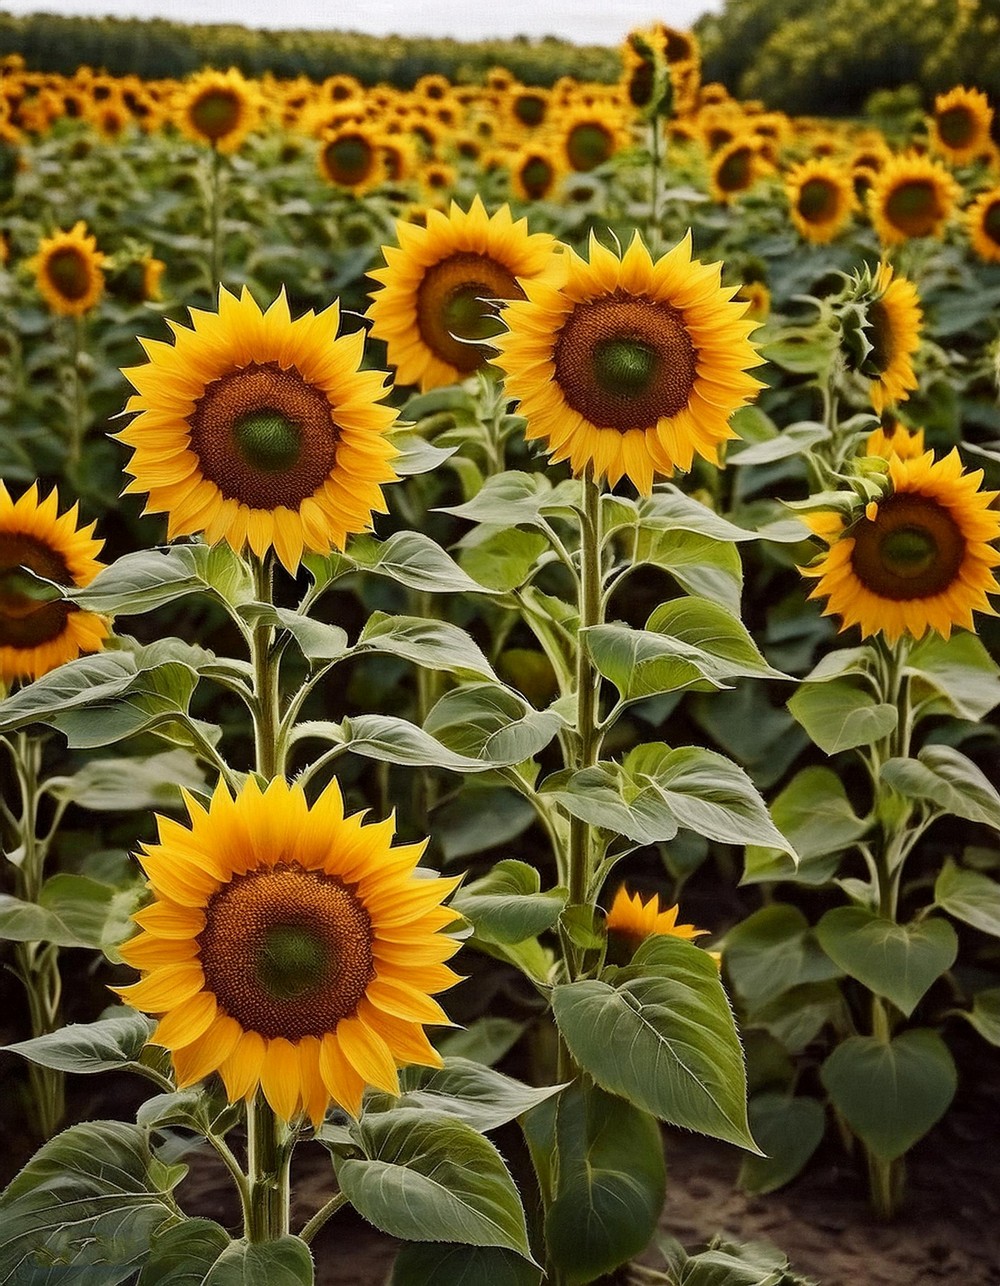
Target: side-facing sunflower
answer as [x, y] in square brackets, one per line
[911, 196]
[438, 287]
[37, 634]
[259, 430]
[820, 199]
[894, 317]
[635, 919]
[983, 222]
[217, 107]
[920, 558]
[628, 367]
[68, 271]
[290, 947]
[960, 126]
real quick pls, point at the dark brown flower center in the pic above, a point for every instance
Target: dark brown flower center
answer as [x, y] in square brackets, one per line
[818, 201]
[641, 82]
[914, 207]
[68, 271]
[349, 160]
[286, 951]
[29, 616]
[913, 549]
[530, 108]
[881, 338]
[588, 145]
[624, 362]
[216, 113]
[991, 222]
[537, 175]
[454, 304]
[264, 436]
[957, 127]
[735, 172]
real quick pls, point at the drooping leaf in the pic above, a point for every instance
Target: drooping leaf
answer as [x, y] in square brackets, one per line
[772, 951]
[839, 715]
[949, 781]
[478, 1095]
[102, 1046]
[969, 896]
[815, 815]
[494, 725]
[789, 1129]
[437, 645]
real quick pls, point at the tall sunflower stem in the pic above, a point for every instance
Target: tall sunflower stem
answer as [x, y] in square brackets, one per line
[215, 222]
[77, 417]
[268, 1193]
[268, 745]
[656, 160]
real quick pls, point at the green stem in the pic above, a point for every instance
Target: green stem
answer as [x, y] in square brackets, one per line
[77, 419]
[268, 1192]
[268, 747]
[885, 1184]
[654, 201]
[214, 222]
[312, 1227]
[425, 786]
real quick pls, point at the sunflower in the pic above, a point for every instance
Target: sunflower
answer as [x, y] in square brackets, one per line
[535, 173]
[219, 108]
[960, 126]
[758, 298]
[37, 633]
[526, 108]
[586, 137]
[258, 430]
[893, 437]
[820, 198]
[635, 919]
[290, 947]
[920, 558]
[626, 366]
[68, 272]
[894, 318]
[734, 169]
[352, 157]
[437, 285]
[983, 223]
[912, 196]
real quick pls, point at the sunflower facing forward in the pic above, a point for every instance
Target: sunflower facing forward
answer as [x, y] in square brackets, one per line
[911, 196]
[290, 947]
[218, 108]
[68, 271]
[628, 367]
[820, 199]
[960, 126]
[920, 558]
[259, 430]
[38, 633]
[438, 288]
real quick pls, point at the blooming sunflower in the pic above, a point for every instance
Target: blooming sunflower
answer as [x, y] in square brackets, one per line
[911, 196]
[960, 126]
[894, 318]
[258, 430]
[37, 635]
[68, 272]
[586, 137]
[635, 919]
[892, 437]
[290, 947]
[735, 168]
[437, 285]
[626, 366]
[219, 108]
[920, 558]
[352, 157]
[820, 198]
[535, 173]
[983, 222]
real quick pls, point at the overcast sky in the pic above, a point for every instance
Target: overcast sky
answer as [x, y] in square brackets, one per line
[602, 22]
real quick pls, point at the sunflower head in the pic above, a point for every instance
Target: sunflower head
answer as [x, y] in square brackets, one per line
[960, 126]
[735, 168]
[290, 948]
[920, 558]
[39, 631]
[68, 271]
[630, 921]
[351, 157]
[589, 136]
[892, 437]
[259, 430]
[218, 108]
[535, 173]
[627, 367]
[983, 223]
[438, 290]
[881, 320]
[820, 198]
[911, 196]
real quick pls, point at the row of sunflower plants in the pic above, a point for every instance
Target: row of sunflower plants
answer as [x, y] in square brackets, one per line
[290, 951]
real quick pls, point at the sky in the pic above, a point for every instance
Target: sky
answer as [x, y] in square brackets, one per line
[602, 22]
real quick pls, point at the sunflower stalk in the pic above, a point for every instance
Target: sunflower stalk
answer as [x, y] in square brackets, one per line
[77, 410]
[215, 221]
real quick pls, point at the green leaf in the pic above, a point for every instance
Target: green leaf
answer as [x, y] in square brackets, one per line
[501, 560]
[969, 896]
[481, 1097]
[716, 632]
[95, 915]
[149, 781]
[506, 499]
[285, 1262]
[797, 1016]
[671, 509]
[789, 1130]
[91, 1199]
[985, 1014]
[434, 644]
[199, 1108]
[485, 1041]
[838, 715]
[641, 664]
[700, 564]
[413, 559]
[707, 793]
[660, 1033]
[429, 1177]
[85, 681]
[103, 1046]
[393, 741]
[22, 921]
[416, 455]
[794, 440]
[772, 951]
[182, 1254]
[480, 817]
[492, 724]
[958, 671]
[444, 1265]
[949, 781]
[607, 796]
[611, 1180]
[507, 906]
[318, 641]
[891, 1093]
[147, 579]
[816, 817]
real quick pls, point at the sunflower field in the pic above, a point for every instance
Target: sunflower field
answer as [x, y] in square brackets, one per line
[498, 667]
